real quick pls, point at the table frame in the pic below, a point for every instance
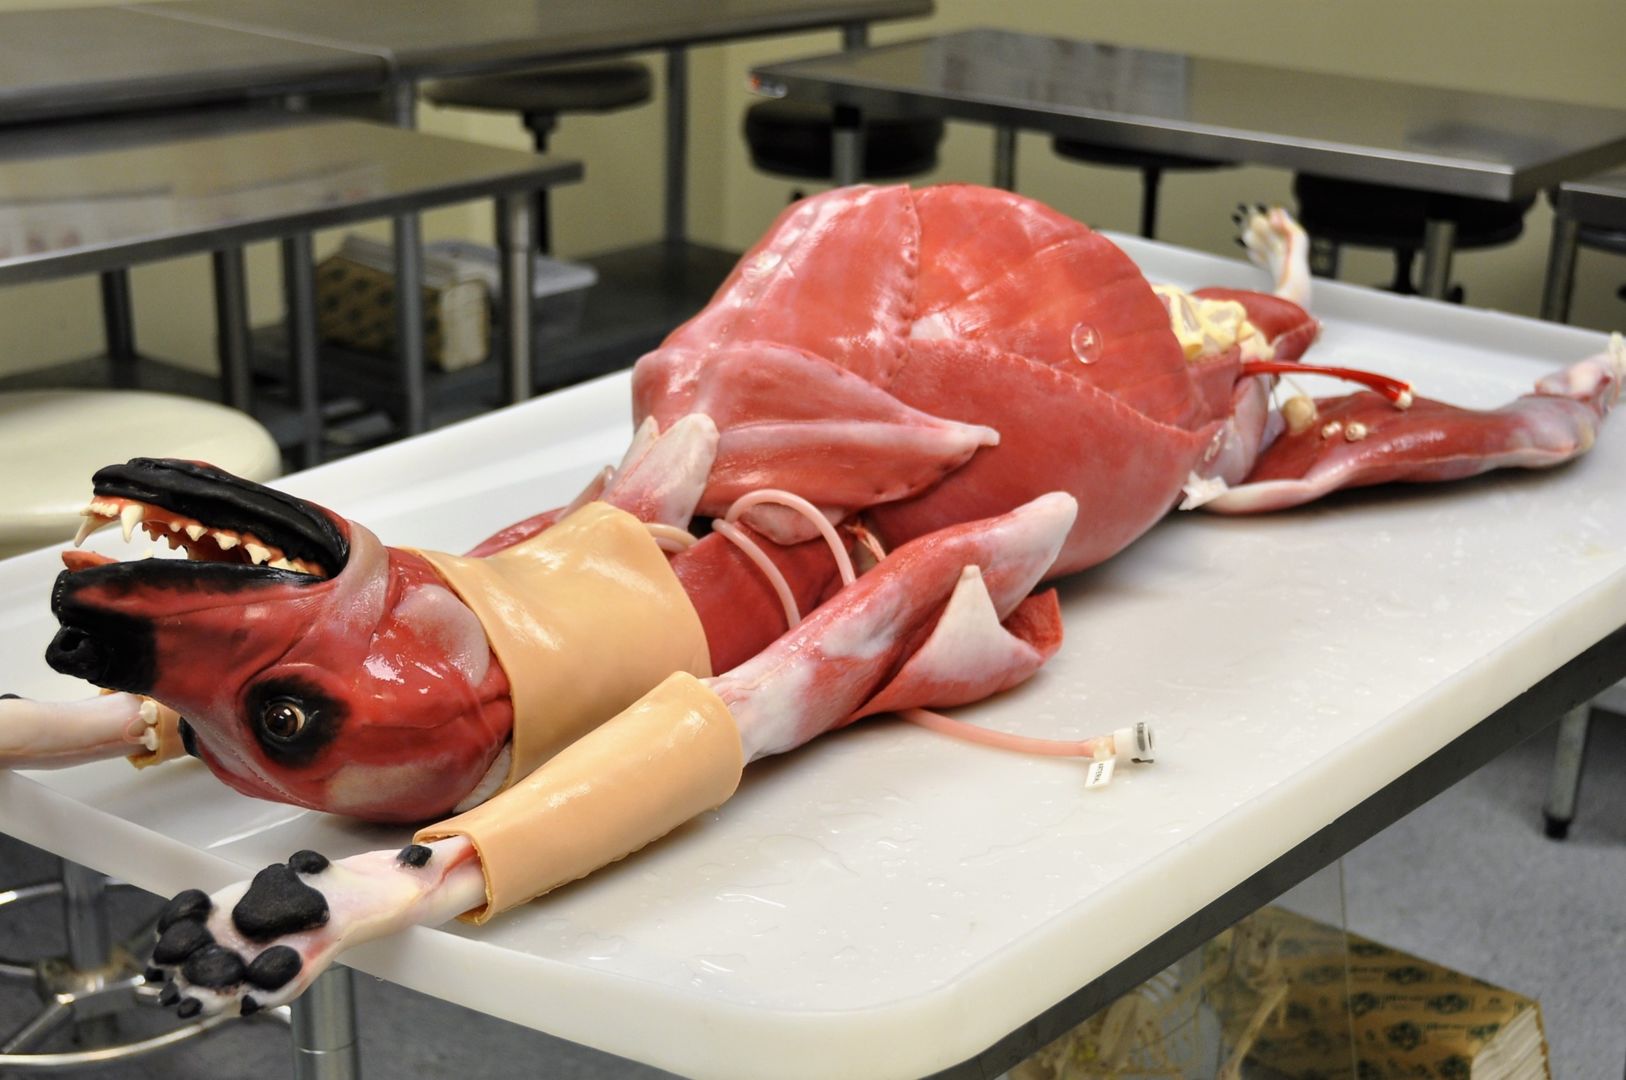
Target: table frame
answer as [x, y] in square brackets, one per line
[512, 194]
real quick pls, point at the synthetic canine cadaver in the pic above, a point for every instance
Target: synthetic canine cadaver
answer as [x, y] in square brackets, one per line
[957, 388]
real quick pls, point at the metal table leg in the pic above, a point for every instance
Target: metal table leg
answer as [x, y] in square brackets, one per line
[1556, 291]
[1439, 237]
[1565, 785]
[677, 144]
[1005, 158]
[324, 1029]
[118, 323]
[408, 295]
[231, 327]
[847, 131]
[299, 292]
[847, 146]
[516, 259]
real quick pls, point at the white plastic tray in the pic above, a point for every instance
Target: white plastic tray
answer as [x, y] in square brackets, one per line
[886, 902]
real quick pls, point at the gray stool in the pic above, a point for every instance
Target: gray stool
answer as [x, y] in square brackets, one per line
[796, 139]
[540, 96]
[1339, 212]
[1151, 165]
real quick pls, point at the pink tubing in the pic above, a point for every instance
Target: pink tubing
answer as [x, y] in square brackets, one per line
[725, 525]
[755, 553]
[807, 510]
[1022, 744]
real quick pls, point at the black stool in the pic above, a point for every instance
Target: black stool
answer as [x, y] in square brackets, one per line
[1338, 212]
[1151, 166]
[796, 139]
[540, 96]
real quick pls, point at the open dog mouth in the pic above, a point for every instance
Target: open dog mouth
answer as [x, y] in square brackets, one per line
[213, 516]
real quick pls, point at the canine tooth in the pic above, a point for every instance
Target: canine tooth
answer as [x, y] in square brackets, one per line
[256, 553]
[196, 531]
[226, 541]
[92, 522]
[130, 517]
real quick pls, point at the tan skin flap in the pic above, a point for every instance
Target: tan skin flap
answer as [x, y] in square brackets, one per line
[584, 617]
[673, 754]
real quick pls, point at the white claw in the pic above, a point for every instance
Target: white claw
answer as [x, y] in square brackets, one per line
[195, 531]
[130, 517]
[256, 553]
[226, 541]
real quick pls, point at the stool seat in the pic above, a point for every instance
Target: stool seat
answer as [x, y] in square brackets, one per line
[1376, 215]
[1151, 164]
[1337, 212]
[795, 138]
[575, 88]
[1096, 154]
[55, 440]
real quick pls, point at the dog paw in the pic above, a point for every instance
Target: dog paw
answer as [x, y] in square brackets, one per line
[260, 943]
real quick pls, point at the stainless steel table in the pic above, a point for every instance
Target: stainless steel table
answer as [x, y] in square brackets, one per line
[102, 195]
[1484, 145]
[74, 62]
[420, 40]
[1596, 202]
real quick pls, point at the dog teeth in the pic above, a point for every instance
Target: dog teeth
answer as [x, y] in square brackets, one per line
[280, 564]
[256, 553]
[196, 531]
[226, 540]
[174, 526]
[130, 517]
[92, 522]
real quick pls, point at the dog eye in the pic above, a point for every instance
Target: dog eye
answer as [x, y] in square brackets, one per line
[282, 718]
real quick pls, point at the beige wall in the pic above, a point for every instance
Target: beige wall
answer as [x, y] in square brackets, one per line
[1568, 51]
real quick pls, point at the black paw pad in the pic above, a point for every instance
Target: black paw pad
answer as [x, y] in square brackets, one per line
[278, 903]
[191, 904]
[154, 975]
[169, 995]
[181, 940]
[248, 1007]
[214, 966]
[307, 862]
[189, 1008]
[272, 969]
[414, 855]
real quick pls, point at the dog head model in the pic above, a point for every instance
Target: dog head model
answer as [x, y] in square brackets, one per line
[313, 665]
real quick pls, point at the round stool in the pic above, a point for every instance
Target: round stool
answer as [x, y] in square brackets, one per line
[1150, 164]
[540, 96]
[795, 139]
[58, 438]
[1337, 212]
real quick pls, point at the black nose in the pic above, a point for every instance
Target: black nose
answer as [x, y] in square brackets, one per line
[114, 650]
[74, 652]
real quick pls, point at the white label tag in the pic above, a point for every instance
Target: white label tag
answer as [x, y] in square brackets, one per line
[1100, 772]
